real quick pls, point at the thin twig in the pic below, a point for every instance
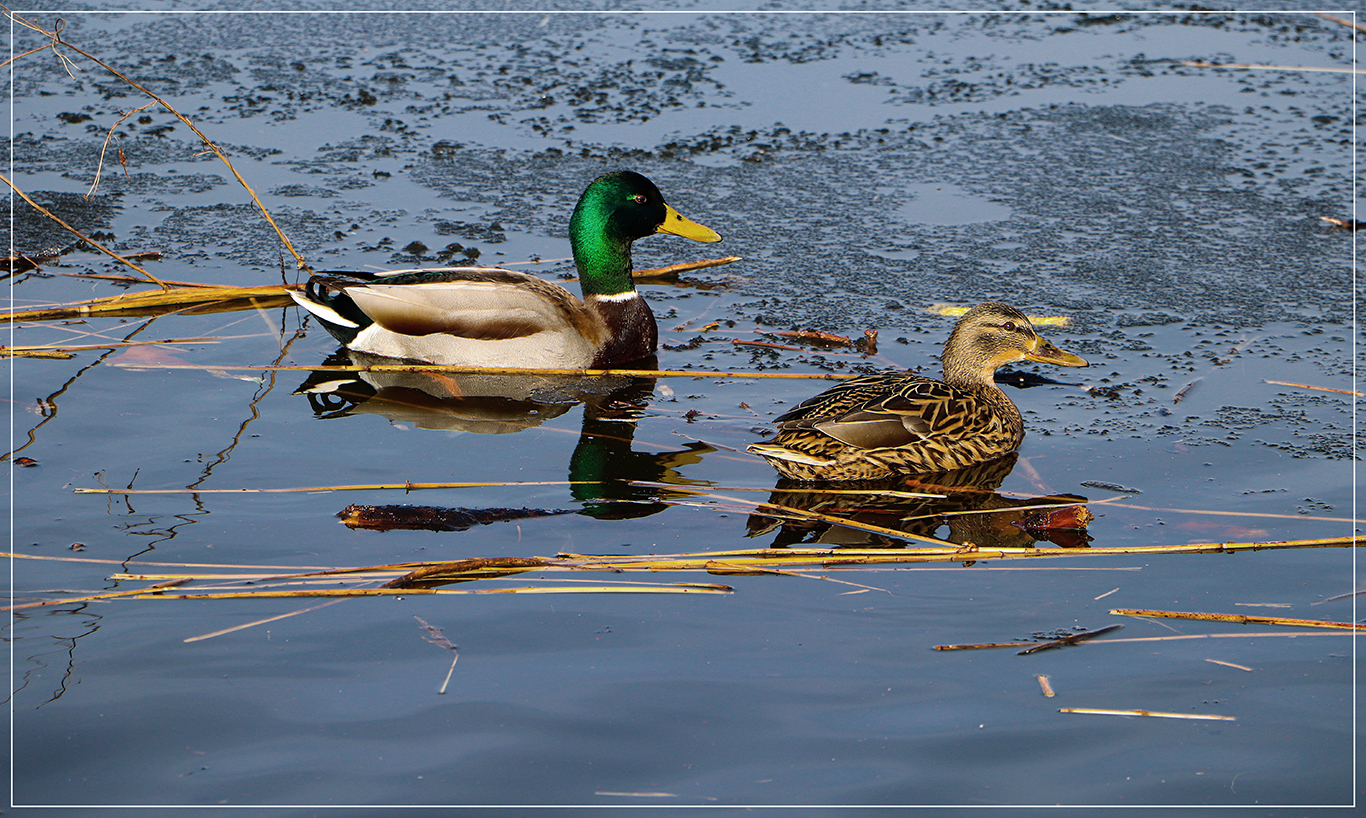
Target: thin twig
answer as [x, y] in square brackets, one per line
[1357, 26]
[55, 36]
[81, 235]
[99, 166]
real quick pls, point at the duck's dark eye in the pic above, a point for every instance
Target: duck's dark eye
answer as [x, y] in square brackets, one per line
[639, 198]
[1008, 326]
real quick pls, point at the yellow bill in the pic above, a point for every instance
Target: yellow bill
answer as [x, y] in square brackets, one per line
[677, 224]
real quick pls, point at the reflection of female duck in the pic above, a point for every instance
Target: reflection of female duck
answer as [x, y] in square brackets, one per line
[472, 316]
[897, 422]
[969, 506]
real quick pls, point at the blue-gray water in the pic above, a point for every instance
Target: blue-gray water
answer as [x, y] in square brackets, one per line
[865, 167]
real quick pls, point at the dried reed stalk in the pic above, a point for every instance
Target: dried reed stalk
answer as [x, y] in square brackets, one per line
[191, 298]
[1173, 638]
[1240, 619]
[1074, 639]
[406, 487]
[678, 588]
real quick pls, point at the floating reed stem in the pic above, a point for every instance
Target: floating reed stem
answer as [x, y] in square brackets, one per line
[1095, 711]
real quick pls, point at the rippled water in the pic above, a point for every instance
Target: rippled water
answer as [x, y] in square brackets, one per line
[865, 167]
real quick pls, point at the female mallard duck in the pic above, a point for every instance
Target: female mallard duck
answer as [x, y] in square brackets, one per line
[896, 422]
[483, 316]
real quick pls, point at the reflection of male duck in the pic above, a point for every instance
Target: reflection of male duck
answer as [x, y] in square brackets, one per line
[483, 404]
[606, 463]
[603, 462]
[970, 507]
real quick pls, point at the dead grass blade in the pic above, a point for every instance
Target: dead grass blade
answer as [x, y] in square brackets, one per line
[266, 621]
[1217, 513]
[1095, 711]
[1230, 664]
[979, 645]
[1045, 687]
[265, 593]
[684, 267]
[1243, 66]
[958, 311]
[1240, 619]
[1174, 638]
[405, 487]
[108, 137]
[1316, 388]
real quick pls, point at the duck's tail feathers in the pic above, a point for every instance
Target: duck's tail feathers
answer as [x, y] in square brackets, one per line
[309, 301]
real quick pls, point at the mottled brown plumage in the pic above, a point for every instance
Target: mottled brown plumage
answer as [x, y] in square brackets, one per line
[901, 423]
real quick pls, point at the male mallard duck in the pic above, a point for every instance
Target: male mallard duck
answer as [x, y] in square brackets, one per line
[483, 316]
[896, 422]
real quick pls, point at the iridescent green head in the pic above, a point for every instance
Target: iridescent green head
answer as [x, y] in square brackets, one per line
[614, 211]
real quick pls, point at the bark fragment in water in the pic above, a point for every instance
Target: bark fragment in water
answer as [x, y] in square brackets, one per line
[434, 518]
